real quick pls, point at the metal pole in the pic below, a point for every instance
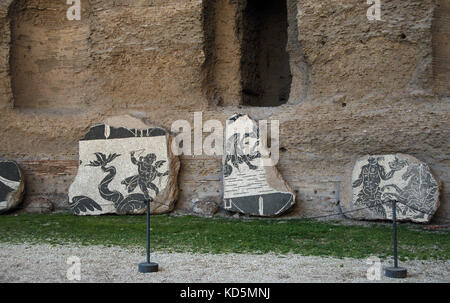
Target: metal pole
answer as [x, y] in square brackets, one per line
[148, 231]
[395, 272]
[148, 266]
[394, 223]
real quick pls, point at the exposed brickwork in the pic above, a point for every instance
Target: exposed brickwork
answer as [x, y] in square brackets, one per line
[358, 88]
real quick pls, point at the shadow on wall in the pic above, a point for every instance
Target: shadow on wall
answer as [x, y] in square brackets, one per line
[265, 71]
[251, 47]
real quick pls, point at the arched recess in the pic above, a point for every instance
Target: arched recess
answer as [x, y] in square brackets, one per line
[49, 55]
[265, 70]
[248, 44]
[441, 48]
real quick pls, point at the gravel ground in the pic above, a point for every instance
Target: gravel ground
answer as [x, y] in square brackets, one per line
[45, 263]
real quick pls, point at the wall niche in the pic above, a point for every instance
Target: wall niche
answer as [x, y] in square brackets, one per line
[246, 46]
[49, 55]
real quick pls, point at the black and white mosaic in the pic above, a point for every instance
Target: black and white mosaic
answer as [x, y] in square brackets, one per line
[376, 181]
[249, 187]
[119, 170]
[11, 185]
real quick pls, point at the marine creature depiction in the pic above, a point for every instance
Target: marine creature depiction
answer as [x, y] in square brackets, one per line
[418, 195]
[131, 203]
[147, 173]
[239, 151]
[370, 177]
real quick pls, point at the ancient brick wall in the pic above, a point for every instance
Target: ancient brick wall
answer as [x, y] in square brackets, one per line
[358, 87]
[49, 57]
[6, 100]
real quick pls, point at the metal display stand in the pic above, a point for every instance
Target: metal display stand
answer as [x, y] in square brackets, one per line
[148, 267]
[395, 272]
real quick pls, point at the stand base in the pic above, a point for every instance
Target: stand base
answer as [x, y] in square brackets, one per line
[395, 272]
[148, 267]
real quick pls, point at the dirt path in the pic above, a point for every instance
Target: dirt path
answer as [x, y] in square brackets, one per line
[44, 263]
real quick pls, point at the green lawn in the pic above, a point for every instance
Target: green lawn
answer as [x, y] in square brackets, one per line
[201, 235]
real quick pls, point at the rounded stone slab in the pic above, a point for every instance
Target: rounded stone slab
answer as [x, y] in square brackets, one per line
[250, 187]
[124, 162]
[11, 185]
[374, 181]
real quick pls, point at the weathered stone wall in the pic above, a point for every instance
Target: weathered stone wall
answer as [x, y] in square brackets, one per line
[144, 52]
[359, 87]
[392, 56]
[6, 97]
[49, 56]
[441, 44]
